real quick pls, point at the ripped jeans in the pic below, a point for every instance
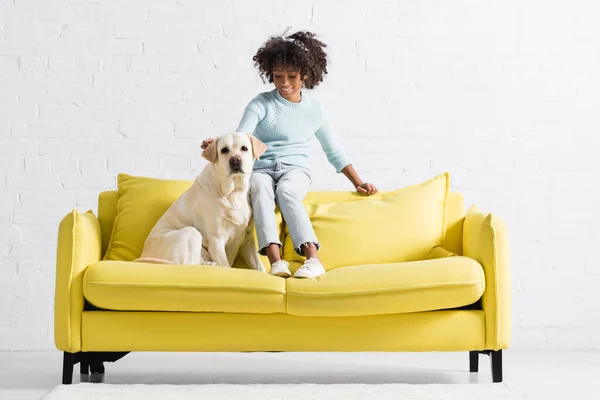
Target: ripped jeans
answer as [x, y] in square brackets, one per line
[284, 185]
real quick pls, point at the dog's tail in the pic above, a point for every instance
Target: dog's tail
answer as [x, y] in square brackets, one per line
[154, 261]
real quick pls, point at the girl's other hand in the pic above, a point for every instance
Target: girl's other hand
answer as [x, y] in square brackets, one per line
[206, 143]
[366, 189]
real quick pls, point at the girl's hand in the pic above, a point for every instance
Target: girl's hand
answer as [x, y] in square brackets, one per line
[206, 143]
[366, 189]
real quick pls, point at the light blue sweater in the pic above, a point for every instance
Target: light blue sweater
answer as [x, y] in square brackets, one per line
[287, 128]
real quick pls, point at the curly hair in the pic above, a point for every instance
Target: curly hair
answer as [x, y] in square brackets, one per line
[300, 52]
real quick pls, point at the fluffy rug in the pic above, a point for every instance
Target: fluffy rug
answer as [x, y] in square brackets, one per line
[90, 391]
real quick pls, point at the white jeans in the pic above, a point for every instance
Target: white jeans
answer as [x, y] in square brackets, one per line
[284, 185]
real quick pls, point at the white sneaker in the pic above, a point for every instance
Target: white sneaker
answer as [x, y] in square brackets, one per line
[281, 268]
[311, 269]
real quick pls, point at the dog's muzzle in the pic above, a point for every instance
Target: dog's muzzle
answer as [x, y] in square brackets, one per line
[235, 164]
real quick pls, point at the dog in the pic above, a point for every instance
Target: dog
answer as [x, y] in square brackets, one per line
[211, 222]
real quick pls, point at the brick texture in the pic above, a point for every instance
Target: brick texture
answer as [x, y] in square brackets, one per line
[498, 93]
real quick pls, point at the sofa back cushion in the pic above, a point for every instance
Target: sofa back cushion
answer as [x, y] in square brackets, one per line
[455, 211]
[128, 215]
[402, 225]
[134, 221]
[142, 201]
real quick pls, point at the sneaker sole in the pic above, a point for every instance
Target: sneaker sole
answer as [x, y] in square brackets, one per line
[299, 274]
[283, 274]
[306, 277]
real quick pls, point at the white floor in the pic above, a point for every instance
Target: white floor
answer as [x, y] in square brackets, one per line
[536, 374]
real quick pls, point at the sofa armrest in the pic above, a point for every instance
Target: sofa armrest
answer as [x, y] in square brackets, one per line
[79, 245]
[485, 239]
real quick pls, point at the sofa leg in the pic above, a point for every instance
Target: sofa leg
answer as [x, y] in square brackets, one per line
[473, 361]
[68, 363]
[97, 368]
[496, 360]
[84, 365]
[91, 367]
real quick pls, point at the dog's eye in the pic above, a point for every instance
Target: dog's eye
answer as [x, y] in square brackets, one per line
[244, 148]
[224, 150]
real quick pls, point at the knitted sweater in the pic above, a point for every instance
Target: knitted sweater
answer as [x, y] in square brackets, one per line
[288, 128]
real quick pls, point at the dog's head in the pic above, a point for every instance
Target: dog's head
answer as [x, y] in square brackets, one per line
[234, 154]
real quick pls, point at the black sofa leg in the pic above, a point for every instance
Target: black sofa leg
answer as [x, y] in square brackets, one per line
[84, 368]
[495, 362]
[68, 363]
[91, 367]
[473, 361]
[496, 359]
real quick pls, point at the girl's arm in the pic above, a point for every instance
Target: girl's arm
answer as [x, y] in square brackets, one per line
[338, 158]
[253, 114]
[361, 187]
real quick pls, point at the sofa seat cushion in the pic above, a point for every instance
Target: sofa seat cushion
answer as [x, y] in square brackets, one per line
[133, 286]
[413, 286]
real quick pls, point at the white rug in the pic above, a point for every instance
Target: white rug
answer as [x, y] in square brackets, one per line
[102, 391]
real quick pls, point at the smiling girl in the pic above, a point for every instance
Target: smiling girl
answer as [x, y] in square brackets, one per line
[287, 119]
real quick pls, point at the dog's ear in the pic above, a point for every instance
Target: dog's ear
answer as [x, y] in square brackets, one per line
[258, 147]
[210, 153]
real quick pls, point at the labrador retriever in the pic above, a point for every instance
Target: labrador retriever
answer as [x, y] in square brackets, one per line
[211, 222]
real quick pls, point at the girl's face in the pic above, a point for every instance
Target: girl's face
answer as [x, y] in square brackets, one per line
[288, 83]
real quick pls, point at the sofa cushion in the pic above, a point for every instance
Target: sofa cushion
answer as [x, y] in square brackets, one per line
[133, 286]
[142, 201]
[403, 225]
[425, 285]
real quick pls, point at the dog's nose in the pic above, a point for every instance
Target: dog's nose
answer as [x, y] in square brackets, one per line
[235, 160]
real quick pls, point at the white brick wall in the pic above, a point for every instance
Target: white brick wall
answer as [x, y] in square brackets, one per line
[501, 93]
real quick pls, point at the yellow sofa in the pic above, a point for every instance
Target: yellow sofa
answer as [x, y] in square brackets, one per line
[456, 297]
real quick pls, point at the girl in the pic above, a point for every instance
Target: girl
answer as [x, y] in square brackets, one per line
[286, 119]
